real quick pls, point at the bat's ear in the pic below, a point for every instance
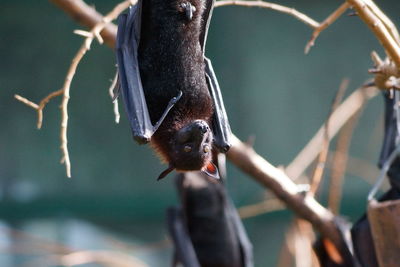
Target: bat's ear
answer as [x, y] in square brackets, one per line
[166, 172]
[211, 170]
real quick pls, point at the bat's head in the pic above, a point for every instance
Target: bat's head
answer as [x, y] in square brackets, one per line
[191, 149]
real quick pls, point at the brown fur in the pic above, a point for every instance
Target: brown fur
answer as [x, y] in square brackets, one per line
[171, 60]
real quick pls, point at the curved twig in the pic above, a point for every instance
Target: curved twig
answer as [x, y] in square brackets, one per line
[90, 36]
[283, 9]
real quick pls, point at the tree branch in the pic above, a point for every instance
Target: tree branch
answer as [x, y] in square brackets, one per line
[325, 24]
[282, 186]
[283, 9]
[306, 207]
[87, 16]
[339, 117]
[323, 155]
[382, 28]
[90, 36]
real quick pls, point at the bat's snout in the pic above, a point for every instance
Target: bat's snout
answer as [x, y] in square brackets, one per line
[201, 126]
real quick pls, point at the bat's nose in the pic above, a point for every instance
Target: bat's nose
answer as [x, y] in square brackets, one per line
[202, 126]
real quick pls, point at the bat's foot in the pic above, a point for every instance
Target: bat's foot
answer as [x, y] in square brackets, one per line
[141, 139]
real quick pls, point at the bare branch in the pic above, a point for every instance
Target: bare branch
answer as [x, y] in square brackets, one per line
[88, 17]
[27, 102]
[385, 20]
[283, 9]
[318, 27]
[283, 187]
[65, 90]
[263, 207]
[339, 163]
[39, 108]
[325, 24]
[43, 104]
[369, 14]
[323, 155]
[342, 114]
[95, 32]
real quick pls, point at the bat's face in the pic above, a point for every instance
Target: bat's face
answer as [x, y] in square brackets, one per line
[191, 146]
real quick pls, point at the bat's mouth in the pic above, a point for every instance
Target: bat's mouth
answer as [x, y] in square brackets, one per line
[192, 146]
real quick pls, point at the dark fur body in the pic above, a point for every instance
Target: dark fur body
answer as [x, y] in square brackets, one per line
[210, 225]
[171, 60]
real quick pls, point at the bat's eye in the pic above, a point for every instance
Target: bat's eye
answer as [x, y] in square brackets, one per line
[206, 149]
[187, 148]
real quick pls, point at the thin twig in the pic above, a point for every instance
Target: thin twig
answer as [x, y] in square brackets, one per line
[339, 163]
[43, 104]
[283, 9]
[342, 114]
[323, 155]
[325, 24]
[369, 14]
[268, 205]
[385, 20]
[357, 167]
[283, 187]
[39, 108]
[318, 27]
[95, 33]
[27, 102]
[65, 90]
[87, 16]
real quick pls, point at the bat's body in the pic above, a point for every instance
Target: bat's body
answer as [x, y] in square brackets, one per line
[364, 247]
[168, 67]
[170, 91]
[206, 229]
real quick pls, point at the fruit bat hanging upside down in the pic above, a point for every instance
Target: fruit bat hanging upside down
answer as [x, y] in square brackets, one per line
[169, 88]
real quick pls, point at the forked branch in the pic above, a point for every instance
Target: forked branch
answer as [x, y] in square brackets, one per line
[65, 90]
[283, 9]
[380, 25]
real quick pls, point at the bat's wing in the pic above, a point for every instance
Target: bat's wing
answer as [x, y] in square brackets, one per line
[128, 74]
[184, 250]
[205, 23]
[389, 141]
[220, 123]
[130, 83]
[245, 245]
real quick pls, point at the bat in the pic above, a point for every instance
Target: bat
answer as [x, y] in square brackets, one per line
[171, 95]
[331, 256]
[361, 231]
[389, 141]
[206, 229]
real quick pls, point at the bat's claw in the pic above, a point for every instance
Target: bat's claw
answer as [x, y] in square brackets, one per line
[175, 99]
[141, 139]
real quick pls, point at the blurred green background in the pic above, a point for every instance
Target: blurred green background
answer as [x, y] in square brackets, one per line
[271, 90]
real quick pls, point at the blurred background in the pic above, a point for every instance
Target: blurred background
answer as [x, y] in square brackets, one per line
[271, 89]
